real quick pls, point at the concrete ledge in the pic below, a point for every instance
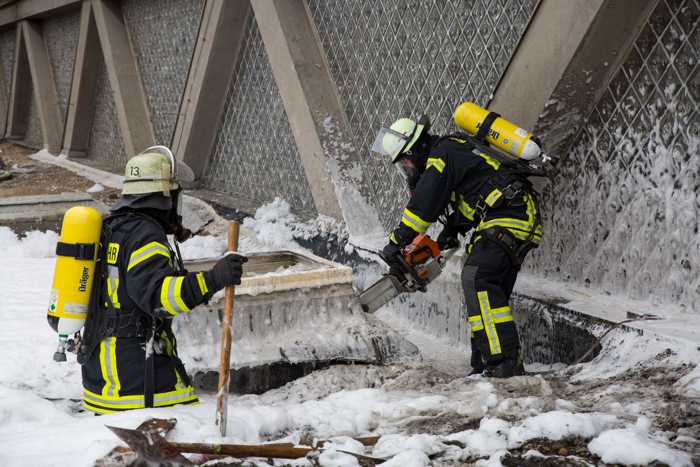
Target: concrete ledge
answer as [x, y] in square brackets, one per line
[592, 309]
[16, 208]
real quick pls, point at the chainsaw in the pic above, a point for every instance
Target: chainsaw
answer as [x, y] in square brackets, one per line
[420, 262]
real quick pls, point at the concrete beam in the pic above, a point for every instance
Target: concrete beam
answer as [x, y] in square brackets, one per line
[44, 86]
[215, 56]
[13, 12]
[20, 91]
[124, 78]
[564, 61]
[81, 105]
[313, 106]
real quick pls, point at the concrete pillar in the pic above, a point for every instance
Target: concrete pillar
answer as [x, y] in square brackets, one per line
[215, 56]
[124, 78]
[316, 116]
[81, 105]
[19, 92]
[44, 86]
[564, 61]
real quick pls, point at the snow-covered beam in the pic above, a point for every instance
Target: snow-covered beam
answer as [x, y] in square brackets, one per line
[216, 53]
[308, 92]
[44, 85]
[124, 78]
[81, 106]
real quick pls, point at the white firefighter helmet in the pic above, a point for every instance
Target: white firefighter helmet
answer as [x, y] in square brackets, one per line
[397, 140]
[155, 170]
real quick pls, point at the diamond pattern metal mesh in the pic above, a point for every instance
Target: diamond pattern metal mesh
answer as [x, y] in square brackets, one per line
[106, 146]
[7, 58]
[61, 38]
[623, 213]
[163, 34]
[394, 58]
[255, 156]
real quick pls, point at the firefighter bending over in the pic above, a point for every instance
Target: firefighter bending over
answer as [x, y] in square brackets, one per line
[128, 352]
[449, 176]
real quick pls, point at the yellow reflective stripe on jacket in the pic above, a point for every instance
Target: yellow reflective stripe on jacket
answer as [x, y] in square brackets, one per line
[438, 163]
[113, 286]
[466, 210]
[492, 197]
[163, 399]
[490, 317]
[108, 365]
[414, 222]
[392, 238]
[171, 295]
[147, 251]
[496, 164]
[202, 283]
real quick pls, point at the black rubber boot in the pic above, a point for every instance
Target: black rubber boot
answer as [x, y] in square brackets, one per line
[477, 362]
[504, 368]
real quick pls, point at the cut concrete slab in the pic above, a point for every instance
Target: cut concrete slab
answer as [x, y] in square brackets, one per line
[293, 313]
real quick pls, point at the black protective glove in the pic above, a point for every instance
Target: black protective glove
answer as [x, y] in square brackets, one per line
[448, 239]
[391, 254]
[227, 271]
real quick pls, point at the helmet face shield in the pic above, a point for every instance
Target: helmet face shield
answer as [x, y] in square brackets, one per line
[390, 142]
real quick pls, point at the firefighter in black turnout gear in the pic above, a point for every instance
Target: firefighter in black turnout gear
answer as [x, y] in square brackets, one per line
[454, 179]
[128, 351]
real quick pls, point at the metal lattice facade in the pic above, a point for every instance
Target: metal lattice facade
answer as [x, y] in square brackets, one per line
[7, 58]
[394, 58]
[61, 38]
[163, 34]
[255, 156]
[106, 145]
[623, 213]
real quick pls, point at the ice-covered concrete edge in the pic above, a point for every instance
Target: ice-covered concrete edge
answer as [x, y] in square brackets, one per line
[675, 322]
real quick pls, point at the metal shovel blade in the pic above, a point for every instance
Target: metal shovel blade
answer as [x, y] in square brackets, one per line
[380, 293]
[151, 447]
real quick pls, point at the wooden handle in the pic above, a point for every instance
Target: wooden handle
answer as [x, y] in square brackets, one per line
[279, 451]
[226, 336]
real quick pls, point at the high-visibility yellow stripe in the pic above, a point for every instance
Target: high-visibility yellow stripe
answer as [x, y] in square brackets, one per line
[490, 161]
[489, 325]
[475, 324]
[171, 295]
[414, 222]
[202, 283]
[439, 164]
[178, 294]
[466, 210]
[108, 367]
[100, 404]
[147, 251]
[493, 197]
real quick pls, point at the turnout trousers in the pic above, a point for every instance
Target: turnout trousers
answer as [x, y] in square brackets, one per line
[488, 277]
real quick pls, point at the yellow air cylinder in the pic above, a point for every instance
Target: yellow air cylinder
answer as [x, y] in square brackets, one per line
[76, 255]
[503, 134]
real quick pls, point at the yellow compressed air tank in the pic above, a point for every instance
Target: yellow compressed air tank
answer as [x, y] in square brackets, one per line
[76, 255]
[502, 134]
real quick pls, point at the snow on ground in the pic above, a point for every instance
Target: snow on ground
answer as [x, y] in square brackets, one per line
[618, 408]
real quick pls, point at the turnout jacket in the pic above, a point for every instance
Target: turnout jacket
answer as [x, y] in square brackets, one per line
[143, 287]
[480, 190]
